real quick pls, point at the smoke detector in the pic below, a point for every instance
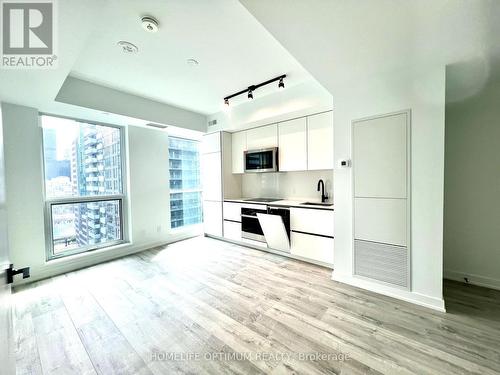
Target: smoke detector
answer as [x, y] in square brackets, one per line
[149, 24]
[128, 47]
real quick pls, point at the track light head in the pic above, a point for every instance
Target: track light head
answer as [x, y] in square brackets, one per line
[250, 94]
[281, 84]
[226, 101]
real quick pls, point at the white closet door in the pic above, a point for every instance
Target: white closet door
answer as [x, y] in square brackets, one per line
[380, 156]
[380, 220]
[381, 199]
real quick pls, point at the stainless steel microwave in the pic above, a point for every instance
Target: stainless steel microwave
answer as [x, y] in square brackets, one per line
[265, 160]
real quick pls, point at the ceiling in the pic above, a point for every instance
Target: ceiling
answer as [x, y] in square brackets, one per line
[232, 48]
[340, 41]
[337, 41]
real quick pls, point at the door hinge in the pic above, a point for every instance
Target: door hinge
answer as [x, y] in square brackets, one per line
[11, 272]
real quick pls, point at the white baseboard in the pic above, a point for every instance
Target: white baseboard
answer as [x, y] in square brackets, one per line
[63, 265]
[474, 279]
[416, 298]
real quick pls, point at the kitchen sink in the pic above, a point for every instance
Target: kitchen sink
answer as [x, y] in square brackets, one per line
[318, 204]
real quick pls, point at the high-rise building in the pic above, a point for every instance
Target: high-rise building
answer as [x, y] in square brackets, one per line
[53, 167]
[185, 186]
[96, 170]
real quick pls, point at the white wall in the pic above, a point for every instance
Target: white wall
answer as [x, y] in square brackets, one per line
[90, 95]
[148, 195]
[288, 185]
[300, 100]
[422, 91]
[472, 183]
[4, 250]
[375, 60]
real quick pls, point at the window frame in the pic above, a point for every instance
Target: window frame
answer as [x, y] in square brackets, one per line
[49, 203]
[200, 190]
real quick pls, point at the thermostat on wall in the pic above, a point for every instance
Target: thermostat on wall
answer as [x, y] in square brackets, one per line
[344, 163]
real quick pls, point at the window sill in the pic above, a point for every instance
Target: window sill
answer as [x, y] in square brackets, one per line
[77, 256]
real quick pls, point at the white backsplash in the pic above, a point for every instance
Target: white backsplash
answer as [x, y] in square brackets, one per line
[287, 185]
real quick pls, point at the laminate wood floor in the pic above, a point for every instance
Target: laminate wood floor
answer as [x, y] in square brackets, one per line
[206, 306]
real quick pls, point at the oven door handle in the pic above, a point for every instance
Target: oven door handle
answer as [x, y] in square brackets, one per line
[249, 216]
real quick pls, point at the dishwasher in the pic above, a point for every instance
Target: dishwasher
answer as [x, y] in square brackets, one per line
[275, 225]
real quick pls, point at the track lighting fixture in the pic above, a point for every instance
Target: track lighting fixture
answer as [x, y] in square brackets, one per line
[250, 89]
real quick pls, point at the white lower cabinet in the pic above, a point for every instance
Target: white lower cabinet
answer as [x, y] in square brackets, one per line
[212, 217]
[232, 211]
[313, 247]
[232, 230]
[312, 221]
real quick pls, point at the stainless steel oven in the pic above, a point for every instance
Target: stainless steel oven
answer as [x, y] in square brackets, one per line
[265, 160]
[250, 226]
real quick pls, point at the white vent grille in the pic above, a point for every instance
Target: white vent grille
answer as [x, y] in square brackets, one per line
[382, 262]
[158, 126]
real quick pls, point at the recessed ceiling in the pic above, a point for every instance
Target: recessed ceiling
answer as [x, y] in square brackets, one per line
[232, 49]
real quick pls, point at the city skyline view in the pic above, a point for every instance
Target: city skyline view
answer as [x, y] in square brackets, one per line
[82, 160]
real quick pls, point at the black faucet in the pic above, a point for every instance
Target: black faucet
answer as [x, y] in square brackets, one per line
[324, 197]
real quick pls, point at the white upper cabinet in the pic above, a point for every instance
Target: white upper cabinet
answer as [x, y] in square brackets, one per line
[293, 145]
[210, 143]
[262, 137]
[320, 141]
[239, 146]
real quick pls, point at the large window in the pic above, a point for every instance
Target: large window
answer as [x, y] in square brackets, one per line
[185, 187]
[83, 185]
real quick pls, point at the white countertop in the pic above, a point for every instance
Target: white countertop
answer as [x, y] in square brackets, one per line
[284, 202]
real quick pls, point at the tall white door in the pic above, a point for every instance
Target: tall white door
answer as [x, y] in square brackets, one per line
[6, 335]
[381, 198]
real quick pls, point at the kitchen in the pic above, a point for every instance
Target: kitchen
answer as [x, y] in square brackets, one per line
[269, 187]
